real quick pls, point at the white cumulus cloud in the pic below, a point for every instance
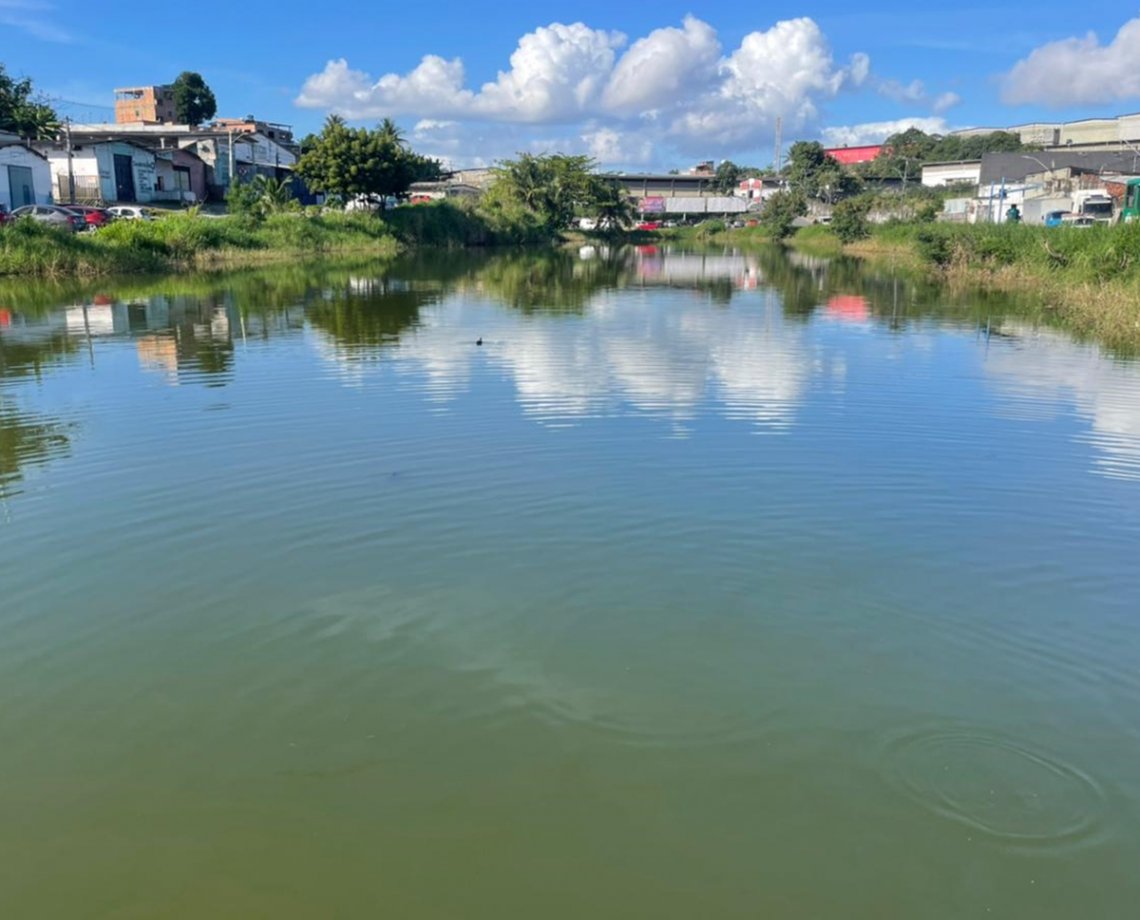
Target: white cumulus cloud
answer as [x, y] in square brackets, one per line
[666, 63]
[675, 86]
[875, 132]
[1078, 71]
[556, 73]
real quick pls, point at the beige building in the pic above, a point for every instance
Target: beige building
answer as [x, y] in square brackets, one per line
[1119, 133]
[148, 105]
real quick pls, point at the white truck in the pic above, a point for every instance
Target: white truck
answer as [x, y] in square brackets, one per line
[1093, 204]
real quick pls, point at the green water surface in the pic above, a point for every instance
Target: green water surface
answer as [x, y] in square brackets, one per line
[708, 585]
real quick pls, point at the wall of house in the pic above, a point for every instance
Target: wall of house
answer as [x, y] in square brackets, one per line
[262, 151]
[198, 183]
[41, 175]
[179, 176]
[951, 174]
[85, 168]
[142, 168]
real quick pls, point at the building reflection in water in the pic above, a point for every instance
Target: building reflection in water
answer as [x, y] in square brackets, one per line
[182, 338]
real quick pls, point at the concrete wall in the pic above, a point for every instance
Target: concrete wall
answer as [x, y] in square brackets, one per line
[94, 168]
[142, 168]
[938, 174]
[17, 155]
[1093, 131]
[181, 175]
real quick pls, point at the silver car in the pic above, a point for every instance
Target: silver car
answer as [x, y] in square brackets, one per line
[130, 212]
[50, 214]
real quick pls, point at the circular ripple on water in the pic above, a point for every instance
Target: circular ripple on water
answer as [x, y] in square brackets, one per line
[997, 786]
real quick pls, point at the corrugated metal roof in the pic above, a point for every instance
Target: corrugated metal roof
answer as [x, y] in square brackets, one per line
[1014, 167]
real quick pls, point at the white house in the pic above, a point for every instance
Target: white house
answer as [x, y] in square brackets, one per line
[104, 172]
[253, 154]
[963, 172]
[25, 177]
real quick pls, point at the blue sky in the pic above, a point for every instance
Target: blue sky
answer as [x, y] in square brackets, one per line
[635, 84]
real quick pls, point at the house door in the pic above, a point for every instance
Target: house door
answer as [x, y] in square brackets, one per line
[124, 178]
[20, 184]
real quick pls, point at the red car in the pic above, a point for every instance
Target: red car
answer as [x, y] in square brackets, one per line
[95, 217]
[649, 225]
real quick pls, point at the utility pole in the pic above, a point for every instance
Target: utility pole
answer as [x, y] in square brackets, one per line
[70, 162]
[779, 144]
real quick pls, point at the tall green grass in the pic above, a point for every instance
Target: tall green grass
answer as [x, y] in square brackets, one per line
[187, 240]
[1084, 254]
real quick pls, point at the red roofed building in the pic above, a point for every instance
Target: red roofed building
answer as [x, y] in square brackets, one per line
[849, 156]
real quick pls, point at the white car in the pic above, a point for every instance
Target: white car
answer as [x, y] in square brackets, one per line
[130, 212]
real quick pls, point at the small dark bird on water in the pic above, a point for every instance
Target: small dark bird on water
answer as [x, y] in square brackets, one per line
[479, 341]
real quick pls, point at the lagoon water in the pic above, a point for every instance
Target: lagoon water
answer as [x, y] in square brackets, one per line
[709, 585]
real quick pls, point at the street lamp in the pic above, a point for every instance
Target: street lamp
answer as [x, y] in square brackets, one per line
[232, 140]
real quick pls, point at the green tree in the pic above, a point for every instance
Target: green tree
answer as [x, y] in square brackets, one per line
[814, 174]
[22, 113]
[552, 187]
[194, 101]
[849, 218]
[611, 204]
[352, 162]
[728, 176]
[391, 132]
[780, 212]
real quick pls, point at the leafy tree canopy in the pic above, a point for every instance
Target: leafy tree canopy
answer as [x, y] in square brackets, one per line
[555, 188]
[781, 210]
[351, 162]
[904, 153]
[813, 173]
[22, 112]
[194, 101]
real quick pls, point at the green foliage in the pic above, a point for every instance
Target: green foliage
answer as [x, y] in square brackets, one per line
[904, 153]
[22, 113]
[728, 176]
[780, 212]
[1081, 254]
[611, 205]
[347, 163]
[274, 196]
[554, 188]
[194, 101]
[242, 198]
[849, 219]
[126, 246]
[813, 173]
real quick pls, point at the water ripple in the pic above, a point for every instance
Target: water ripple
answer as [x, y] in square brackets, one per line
[1013, 793]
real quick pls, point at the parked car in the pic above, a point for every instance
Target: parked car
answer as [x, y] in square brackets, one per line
[4, 217]
[93, 217]
[649, 225]
[130, 212]
[50, 214]
[1054, 218]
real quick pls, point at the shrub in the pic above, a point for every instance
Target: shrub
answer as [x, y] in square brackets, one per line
[780, 212]
[849, 219]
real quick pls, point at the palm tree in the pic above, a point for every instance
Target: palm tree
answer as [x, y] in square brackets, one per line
[37, 122]
[273, 195]
[390, 131]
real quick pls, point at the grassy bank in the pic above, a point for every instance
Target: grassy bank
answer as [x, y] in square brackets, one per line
[717, 231]
[1087, 279]
[190, 241]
